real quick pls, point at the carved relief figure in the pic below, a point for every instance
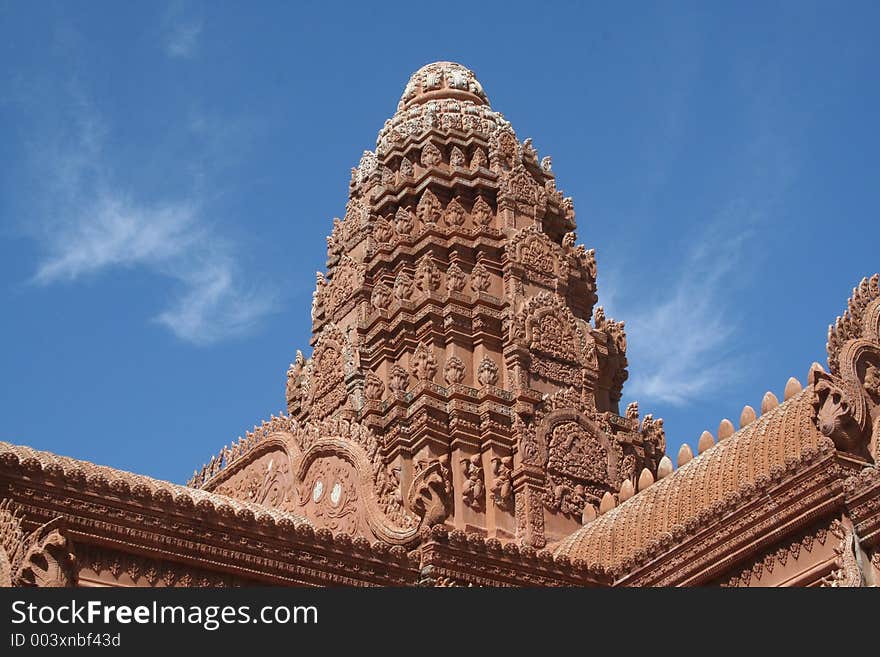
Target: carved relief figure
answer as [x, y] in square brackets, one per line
[347, 277]
[381, 297]
[454, 213]
[872, 381]
[456, 158]
[403, 286]
[502, 484]
[505, 150]
[327, 372]
[431, 156]
[430, 490]
[383, 230]
[576, 459]
[479, 160]
[294, 378]
[406, 168]
[833, 415]
[473, 492]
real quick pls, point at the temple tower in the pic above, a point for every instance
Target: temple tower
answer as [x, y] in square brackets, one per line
[454, 322]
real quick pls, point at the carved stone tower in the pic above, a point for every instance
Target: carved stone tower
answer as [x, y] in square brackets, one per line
[455, 375]
[457, 423]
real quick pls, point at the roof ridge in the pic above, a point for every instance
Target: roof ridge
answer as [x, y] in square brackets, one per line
[104, 477]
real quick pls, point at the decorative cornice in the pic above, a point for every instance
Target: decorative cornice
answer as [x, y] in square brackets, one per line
[471, 559]
[718, 483]
[206, 530]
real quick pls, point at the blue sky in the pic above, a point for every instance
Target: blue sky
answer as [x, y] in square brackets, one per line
[169, 173]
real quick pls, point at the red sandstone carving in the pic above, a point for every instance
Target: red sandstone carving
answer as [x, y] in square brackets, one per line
[457, 423]
[40, 558]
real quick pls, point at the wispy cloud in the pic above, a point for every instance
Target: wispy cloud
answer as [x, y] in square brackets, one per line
[181, 29]
[182, 39]
[112, 231]
[89, 226]
[685, 337]
[678, 345]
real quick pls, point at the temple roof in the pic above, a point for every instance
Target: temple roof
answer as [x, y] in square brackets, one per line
[103, 478]
[443, 80]
[732, 471]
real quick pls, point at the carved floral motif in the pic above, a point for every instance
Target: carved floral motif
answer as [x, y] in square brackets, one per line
[374, 388]
[427, 274]
[429, 210]
[480, 278]
[454, 371]
[455, 278]
[399, 380]
[533, 250]
[404, 221]
[481, 211]
[266, 481]
[487, 372]
[454, 213]
[520, 187]
[424, 365]
[431, 155]
[859, 320]
[329, 494]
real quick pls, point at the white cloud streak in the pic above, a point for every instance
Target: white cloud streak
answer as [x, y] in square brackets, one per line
[678, 344]
[684, 340]
[182, 39]
[88, 227]
[114, 232]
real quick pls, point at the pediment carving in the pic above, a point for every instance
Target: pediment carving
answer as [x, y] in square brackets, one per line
[348, 277]
[535, 252]
[559, 348]
[324, 384]
[265, 479]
